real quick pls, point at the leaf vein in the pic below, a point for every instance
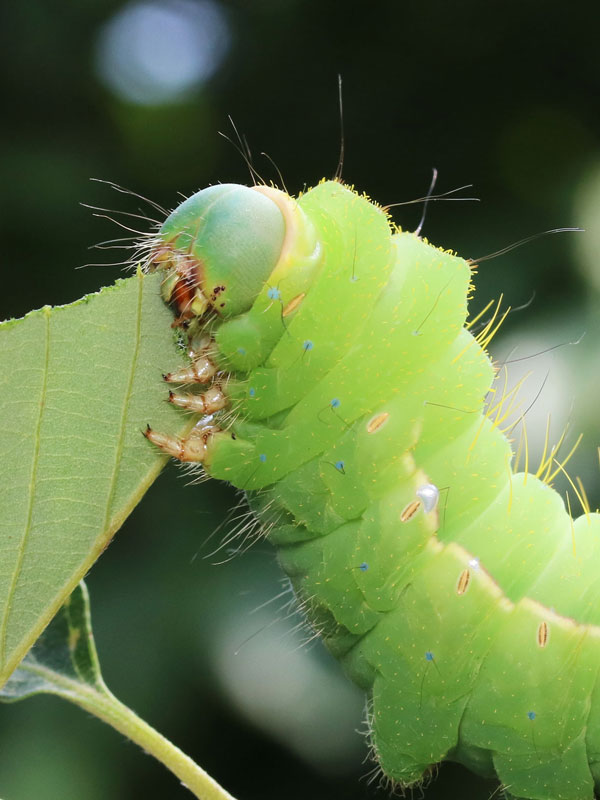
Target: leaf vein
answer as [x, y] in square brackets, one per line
[126, 403]
[31, 499]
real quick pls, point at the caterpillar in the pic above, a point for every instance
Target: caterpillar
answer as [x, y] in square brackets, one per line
[340, 386]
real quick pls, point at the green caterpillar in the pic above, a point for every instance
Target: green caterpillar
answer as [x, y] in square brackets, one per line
[346, 398]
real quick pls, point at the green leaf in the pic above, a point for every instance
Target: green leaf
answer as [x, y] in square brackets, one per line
[78, 384]
[64, 662]
[63, 657]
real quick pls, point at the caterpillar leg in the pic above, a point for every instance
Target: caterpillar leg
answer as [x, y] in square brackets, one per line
[206, 403]
[201, 370]
[192, 448]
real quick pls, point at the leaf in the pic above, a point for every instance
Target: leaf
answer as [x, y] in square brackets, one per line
[64, 662]
[64, 656]
[78, 384]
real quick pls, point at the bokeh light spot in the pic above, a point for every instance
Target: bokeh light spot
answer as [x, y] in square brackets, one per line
[157, 53]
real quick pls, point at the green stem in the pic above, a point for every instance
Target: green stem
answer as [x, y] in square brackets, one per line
[108, 708]
[103, 704]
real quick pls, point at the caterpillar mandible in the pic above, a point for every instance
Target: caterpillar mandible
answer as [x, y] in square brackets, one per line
[343, 391]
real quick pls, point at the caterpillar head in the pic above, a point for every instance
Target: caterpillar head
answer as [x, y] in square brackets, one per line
[220, 246]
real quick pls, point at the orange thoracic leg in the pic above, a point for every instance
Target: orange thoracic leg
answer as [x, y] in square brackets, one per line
[206, 403]
[190, 448]
[201, 370]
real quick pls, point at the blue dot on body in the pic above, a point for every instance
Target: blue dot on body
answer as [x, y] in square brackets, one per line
[364, 566]
[339, 465]
[273, 294]
[429, 655]
[251, 392]
[308, 345]
[242, 351]
[531, 714]
[262, 457]
[335, 403]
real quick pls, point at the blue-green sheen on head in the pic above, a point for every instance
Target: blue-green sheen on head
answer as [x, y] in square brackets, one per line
[230, 238]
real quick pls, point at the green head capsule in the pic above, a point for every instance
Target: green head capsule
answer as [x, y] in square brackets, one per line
[220, 246]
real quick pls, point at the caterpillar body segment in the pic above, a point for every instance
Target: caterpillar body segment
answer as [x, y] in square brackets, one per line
[461, 596]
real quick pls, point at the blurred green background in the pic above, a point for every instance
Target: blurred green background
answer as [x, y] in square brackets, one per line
[501, 95]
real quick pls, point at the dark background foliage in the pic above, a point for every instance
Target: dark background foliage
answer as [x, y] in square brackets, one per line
[501, 95]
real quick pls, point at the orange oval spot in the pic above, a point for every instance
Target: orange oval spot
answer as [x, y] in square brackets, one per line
[542, 634]
[463, 581]
[293, 304]
[410, 510]
[376, 422]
